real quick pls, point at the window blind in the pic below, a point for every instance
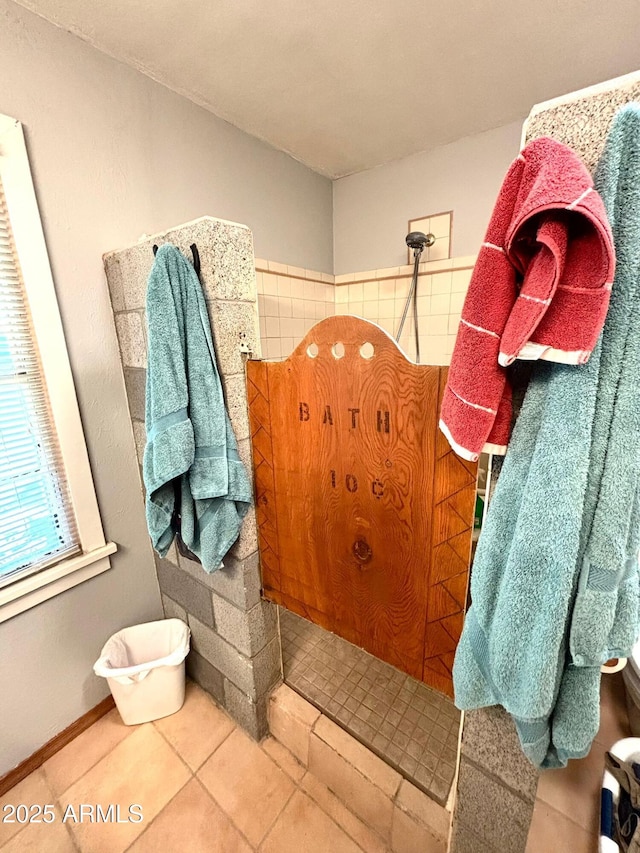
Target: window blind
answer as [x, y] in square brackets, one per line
[37, 525]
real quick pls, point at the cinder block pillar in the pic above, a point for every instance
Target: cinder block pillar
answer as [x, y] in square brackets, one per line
[496, 787]
[235, 653]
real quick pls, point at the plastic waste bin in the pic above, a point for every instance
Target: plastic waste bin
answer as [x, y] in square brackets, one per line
[144, 667]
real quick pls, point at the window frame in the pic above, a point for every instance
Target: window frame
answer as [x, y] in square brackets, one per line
[17, 182]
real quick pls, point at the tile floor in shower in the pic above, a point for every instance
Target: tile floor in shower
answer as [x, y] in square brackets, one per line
[410, 726]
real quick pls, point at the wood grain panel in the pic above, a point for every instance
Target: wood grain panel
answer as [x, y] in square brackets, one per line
[262, 452]
[354, 494]
[453, 509]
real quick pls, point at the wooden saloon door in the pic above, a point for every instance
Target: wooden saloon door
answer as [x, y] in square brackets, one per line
[365, 515]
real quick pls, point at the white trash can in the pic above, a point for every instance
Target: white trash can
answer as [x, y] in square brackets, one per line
[144, 667]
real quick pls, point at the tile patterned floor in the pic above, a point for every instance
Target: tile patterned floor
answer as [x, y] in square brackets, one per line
[204, 787]
[410, 726]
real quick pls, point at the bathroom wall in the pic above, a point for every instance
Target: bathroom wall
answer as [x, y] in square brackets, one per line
[371, 209]
[115, 155]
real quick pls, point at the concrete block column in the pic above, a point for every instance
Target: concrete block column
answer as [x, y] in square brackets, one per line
[496, 786]
[235, 650]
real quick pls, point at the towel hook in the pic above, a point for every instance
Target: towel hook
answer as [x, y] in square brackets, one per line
[196, 258]
[194, 252]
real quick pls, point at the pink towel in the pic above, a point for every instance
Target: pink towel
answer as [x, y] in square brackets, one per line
[540, 289]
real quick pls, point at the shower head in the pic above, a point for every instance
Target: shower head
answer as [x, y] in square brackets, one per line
[417, 241]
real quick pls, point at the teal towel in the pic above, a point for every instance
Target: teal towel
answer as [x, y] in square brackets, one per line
[555, 578]
[189, 435]
[611, 534]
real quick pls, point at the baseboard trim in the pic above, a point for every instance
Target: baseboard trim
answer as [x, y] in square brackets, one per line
[54, 745]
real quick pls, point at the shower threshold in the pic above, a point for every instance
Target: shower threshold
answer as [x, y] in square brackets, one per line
[411, 727]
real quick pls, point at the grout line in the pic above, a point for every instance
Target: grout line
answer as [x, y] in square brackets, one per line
[562, 814]
[448, 723]
[406, 275]
[133, 729]
[215, 300]
[210, 300]
[350, 763]
[369, 280]
[153, 819]
[296, 277]
[194, 773]
[75, 843]
[219, 805]
[58, 800]
[278, 816]
[344, 805]
[224, 812]
[175, 749]
[486, 772]
[230, 818]
[281, 657]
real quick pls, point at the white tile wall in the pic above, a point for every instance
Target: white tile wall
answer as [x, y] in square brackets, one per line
[291, 300]
[440, 298]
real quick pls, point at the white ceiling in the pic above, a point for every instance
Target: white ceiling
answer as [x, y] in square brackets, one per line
[344, 85]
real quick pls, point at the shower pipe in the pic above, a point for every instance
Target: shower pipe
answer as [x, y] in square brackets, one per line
[417, 241]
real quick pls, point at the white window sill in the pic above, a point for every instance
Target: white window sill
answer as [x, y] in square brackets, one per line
[24, 594]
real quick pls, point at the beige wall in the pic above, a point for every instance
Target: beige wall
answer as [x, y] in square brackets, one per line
[371, 209]
[115, 155]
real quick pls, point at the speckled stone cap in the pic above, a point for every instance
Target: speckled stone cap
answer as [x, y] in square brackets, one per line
[582, 120]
